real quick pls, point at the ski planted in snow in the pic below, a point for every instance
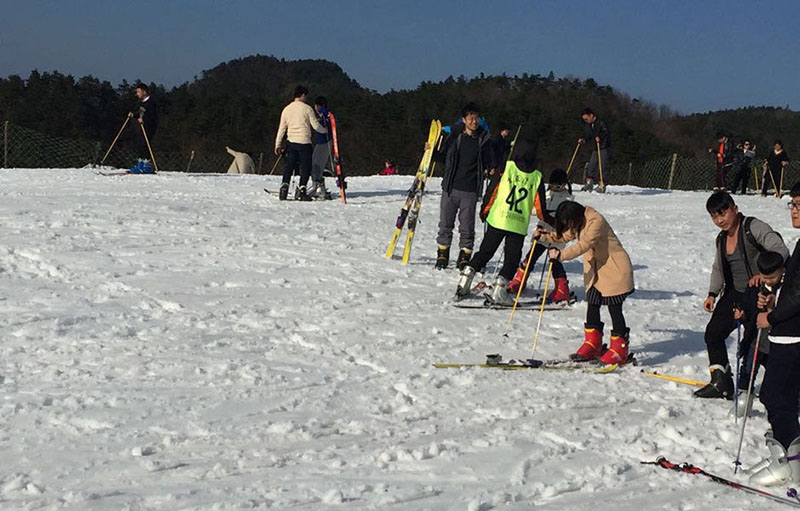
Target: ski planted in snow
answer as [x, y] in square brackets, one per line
[688, 468]
[412, 204]
[337, 162]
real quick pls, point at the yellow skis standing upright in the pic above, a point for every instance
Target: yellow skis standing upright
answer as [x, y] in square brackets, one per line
[410, 209]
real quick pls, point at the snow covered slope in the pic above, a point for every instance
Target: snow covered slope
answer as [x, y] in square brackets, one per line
[190, 342]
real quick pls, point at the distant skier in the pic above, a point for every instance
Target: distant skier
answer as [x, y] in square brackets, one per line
[737, 246]
[723, 155]
[466, 156]
[559, 190]
[507, 205]
[147, 115]
[776, 161]
[388, 169]
[781, 388]
[742, 160]
[298, 120]
[595, 132]
[607, 276]
[322, 151]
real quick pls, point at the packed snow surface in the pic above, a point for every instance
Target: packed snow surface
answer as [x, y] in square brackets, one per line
[189, 342]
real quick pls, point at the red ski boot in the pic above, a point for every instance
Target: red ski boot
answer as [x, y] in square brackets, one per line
[618, 352]
[560, 291]
[592, 345]
[518, 281]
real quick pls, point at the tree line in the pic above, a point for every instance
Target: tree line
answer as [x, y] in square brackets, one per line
[238, 104]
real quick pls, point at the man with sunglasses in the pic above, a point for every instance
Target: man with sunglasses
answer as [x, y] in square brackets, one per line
[742, 160]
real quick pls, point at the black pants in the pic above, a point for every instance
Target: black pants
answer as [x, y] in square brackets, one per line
[538, 250]
[771, 179]
[618, 324]
[719, 175]
[740, 177]
[491, 241]
[780, 391]
[298, 155]
[142, 151]
[720, 327]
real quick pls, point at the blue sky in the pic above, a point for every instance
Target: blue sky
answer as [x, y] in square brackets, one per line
[691, 55]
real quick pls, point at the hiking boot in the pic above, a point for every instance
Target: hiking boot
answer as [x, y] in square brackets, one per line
[464, 255]
[283, 194]
[442, 257]
[592, 345]
[721, 385]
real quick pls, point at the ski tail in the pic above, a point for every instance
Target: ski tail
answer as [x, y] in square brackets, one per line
[688, 468]
[393, 242]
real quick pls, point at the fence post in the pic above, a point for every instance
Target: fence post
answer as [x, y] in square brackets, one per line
[5, 145]
[630, 172]
[672, 169]
[189, 165]
[260, 160]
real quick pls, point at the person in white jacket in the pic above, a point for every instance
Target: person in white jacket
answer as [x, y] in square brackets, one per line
[298, 120]
[242, 163]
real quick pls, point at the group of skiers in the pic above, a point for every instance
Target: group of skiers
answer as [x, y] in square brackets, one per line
[733, 165]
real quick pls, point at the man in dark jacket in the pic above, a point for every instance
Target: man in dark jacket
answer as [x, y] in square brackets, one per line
[741, 162]
[500, 146]
[147, 115]
[595, 132]
[467, 156]
[737, 247]
[781, 388]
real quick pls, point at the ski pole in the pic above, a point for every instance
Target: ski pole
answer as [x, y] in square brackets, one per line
[736, 377]
[772, 178]
[676, 379]
[128, 118]
[276, 163]
[600, 166]
[541, 312]
[572, 160]
[749, 392]
[519, 291]
[780, 188]
[755, 178]
[513, 143]
[546, 258]
[150, 149]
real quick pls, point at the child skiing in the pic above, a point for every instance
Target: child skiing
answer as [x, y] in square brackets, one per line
[506, 208]
[781, 387]
[738, 244]
[559, 190]
[607, 276]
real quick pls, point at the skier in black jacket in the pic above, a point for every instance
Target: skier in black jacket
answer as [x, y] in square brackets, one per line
[595, 133]
[467, 156]
[781, 388]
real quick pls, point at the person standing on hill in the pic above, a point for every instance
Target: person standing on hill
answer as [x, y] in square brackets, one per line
[322, 151]
[297, 123]
[147, 115]
[723, 155]
[776, 161]
[467, 156]
[595, 132]
[742, 160]
[500, 146]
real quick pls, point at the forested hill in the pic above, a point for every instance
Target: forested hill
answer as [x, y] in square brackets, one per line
[238, 103]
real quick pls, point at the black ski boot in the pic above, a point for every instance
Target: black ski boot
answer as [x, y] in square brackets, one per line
[442, 257]
[284, 193]
[302, 195]
[464, 255]
[721, 385]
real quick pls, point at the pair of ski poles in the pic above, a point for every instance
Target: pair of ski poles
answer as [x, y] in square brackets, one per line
[144, 134]
[599, 163]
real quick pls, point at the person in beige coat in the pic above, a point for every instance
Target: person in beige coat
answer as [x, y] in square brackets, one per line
[242, 163]
[607, 276]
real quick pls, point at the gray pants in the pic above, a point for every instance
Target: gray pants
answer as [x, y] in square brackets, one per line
[592, 171]
[319, 159]
[462, 205]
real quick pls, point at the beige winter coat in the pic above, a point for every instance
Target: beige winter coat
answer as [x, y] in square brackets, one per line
[297, 121]
[242, 163]
[606, 265]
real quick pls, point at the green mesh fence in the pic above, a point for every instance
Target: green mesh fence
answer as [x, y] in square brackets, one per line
[27, 148]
